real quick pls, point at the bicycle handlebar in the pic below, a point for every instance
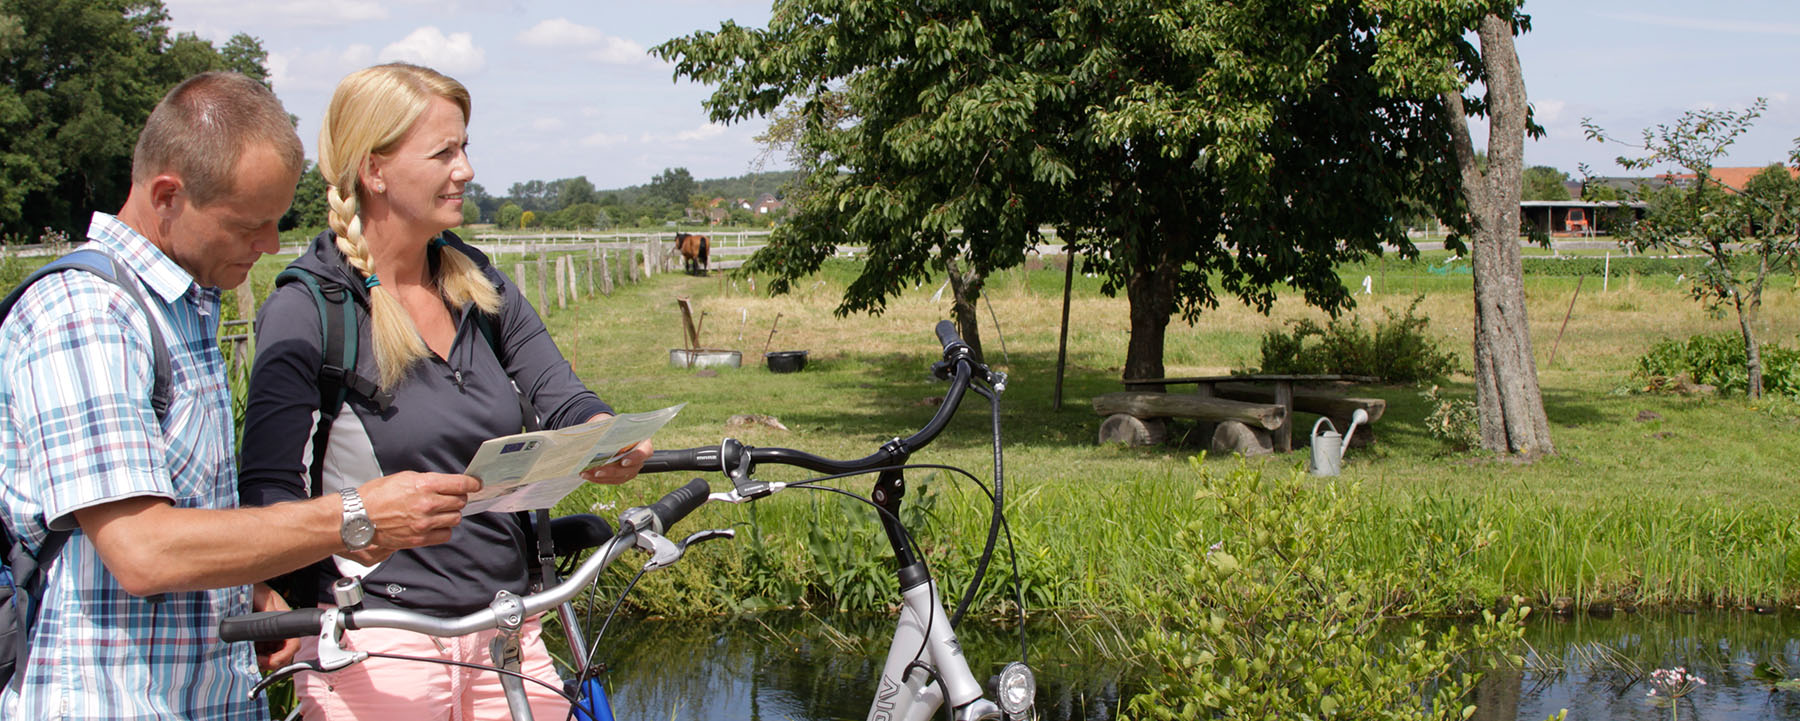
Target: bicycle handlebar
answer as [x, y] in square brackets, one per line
[734, 459]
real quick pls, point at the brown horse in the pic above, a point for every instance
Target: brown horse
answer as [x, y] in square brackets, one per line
[694, 251]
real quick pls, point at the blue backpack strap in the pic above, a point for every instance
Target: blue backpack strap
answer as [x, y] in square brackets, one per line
[106, 266]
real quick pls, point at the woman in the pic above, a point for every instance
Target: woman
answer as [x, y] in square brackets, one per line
[429, 386]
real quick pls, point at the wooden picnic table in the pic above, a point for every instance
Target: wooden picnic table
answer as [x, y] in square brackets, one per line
[1282, 383]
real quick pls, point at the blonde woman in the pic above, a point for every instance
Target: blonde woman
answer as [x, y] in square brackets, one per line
[426, 389]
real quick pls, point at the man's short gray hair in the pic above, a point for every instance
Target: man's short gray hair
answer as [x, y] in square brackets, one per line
[203, 126]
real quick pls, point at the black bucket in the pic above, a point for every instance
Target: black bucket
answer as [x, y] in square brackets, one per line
[785, 361]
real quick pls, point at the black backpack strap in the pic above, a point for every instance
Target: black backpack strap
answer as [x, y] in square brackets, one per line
[538, 543]
[28, 580]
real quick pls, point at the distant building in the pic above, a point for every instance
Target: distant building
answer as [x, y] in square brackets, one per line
[1577, 217]
[767, 203]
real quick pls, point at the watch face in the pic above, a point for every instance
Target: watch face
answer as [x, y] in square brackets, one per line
[358, 533]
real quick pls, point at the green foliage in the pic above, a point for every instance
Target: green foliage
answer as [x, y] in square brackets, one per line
[80, 78]
[1545, 183]
[1567, 266]
[1451, 420]
[1268, 621]
[674, 186]
[1719, 361]
[508, 215]
[583, 216]
[1398, 349]
[311, 208]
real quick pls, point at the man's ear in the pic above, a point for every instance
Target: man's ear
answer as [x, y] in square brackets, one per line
[167, 194]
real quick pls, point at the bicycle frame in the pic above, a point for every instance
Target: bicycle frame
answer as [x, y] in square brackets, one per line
[925, 666]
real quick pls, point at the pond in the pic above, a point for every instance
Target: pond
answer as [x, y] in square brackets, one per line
[805, 666]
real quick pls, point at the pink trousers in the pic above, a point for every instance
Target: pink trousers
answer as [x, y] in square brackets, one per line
[381, 689]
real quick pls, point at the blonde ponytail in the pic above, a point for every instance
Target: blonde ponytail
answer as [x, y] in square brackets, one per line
[369, 113]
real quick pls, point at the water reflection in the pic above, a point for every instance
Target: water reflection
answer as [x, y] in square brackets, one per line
[803, 666]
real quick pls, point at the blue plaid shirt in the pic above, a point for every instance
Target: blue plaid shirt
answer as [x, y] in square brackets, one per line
[78, 431]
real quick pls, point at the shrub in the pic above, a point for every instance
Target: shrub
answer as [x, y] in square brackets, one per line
[1719, 361]
[1452, 420]
[1398, 349]
[1271, 621]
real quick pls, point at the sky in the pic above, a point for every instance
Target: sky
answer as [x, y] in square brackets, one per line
[566, 87]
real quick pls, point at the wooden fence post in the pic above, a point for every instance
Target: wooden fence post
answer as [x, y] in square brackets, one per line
[543, 284]
[519, 278]
[562, 282]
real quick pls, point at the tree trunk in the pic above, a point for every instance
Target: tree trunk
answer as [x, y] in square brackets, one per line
[1752, 353]
[965, 289]
[1509, 404]
[1151, 291]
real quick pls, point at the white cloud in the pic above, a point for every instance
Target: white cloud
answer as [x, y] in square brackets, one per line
[453, 54]
[287, 13]
[318, 70]
[704, 132]
[547, 124]
[602, 140]
[1549, 112]
[587, 42]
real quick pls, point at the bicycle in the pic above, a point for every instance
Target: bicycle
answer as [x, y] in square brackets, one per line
[924, 669]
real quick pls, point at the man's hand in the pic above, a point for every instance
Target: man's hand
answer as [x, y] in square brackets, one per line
[621, 470]
[415, 509]
[271, 655]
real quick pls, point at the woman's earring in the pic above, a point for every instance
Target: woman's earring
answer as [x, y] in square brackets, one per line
[381, 187]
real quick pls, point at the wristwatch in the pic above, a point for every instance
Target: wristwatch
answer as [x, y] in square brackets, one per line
[358, 531]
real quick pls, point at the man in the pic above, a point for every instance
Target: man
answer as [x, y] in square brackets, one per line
[128, 628]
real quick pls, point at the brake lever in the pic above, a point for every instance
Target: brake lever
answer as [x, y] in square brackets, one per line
[280, 674]
[736, 495]
[663, 552]
[707, 535]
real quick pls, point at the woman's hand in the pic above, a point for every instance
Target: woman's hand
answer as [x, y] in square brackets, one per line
[271, 655]
[621, 470]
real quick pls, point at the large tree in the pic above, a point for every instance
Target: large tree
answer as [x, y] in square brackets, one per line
[77, 80]
[674, 185]
[1182, 148]
[1430, 49]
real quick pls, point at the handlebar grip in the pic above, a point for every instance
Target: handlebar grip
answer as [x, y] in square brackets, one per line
[946, 333]
[679, 503]
[270, 625]
[687, 459]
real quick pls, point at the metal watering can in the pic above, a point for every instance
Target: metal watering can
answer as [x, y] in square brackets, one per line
[1328, 446]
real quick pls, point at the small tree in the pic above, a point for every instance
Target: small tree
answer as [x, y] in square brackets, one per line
[1742, 232]
[1543, 182]
[508, 215]
[528, 219]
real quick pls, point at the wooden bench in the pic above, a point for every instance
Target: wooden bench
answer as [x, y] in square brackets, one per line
[1316, 401]
[1253, 413]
